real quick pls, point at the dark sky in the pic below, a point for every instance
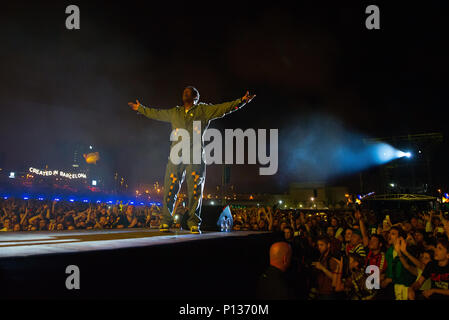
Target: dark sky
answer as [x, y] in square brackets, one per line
[64, 87]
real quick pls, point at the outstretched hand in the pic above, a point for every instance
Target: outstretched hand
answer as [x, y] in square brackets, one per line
[133, 105]
[247, 97]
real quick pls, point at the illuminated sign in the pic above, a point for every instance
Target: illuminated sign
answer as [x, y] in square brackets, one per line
[58, 173]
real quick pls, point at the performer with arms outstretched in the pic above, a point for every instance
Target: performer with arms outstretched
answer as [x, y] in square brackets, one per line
[182, 117]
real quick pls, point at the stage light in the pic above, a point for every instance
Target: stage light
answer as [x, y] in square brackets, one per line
[109, 201]
[94, 182]
[85, 200]
[400, 154]
[98, 201]
[25, 198]
[312, 199]
[212, 203]
[392, 185]
[56, 199]
[141, 203]
[5, 198]
[12, 175]
[280, 201]
[132, 202]
[72, 200]
[40, 199]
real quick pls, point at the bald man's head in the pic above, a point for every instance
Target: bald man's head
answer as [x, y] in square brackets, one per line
[280, 255]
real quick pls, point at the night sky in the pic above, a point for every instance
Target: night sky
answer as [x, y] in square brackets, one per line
[303, 59]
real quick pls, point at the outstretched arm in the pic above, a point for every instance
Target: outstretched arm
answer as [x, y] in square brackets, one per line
[152, 113]
[216, 111]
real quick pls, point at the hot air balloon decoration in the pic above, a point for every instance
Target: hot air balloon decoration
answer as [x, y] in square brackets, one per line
[92, 157]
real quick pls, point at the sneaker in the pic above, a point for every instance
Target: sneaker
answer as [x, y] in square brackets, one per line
[195, 230]
[164, 228]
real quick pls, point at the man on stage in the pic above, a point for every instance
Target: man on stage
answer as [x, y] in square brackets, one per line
[182, 117]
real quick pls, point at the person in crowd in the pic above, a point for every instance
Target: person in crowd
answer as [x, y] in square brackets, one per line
[273, 284]
[438, 272]
[354, 285]
[326, 267]
[397, 275]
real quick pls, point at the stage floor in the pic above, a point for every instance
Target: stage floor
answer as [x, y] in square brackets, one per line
[21, 244]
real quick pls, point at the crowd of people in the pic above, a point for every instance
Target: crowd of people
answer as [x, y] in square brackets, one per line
[36, 215]
[353, 254]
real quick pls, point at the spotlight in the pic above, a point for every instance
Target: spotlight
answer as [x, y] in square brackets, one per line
[400, 154]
